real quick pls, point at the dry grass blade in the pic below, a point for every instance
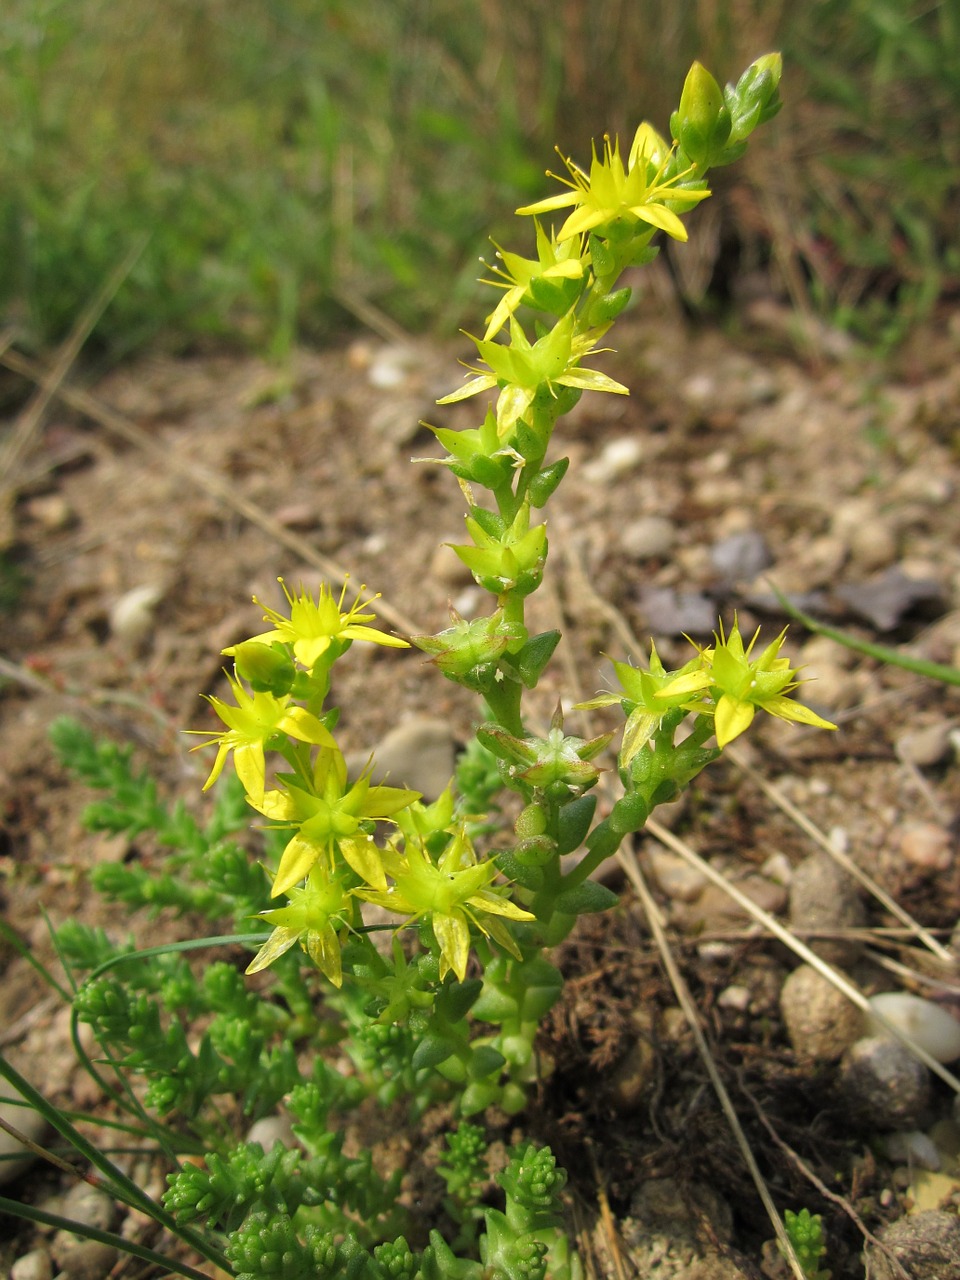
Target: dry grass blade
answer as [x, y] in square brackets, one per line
[789, 939]
[840, 1201]
[817, 836]
[377, 321]
[92, 703]
[606, 1217]
[119, 425]
[910, 973]
[629, 863]
[49, 384]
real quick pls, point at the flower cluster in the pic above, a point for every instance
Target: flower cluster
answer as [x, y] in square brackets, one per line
[333, 861]
[643, 191]
[723, 682]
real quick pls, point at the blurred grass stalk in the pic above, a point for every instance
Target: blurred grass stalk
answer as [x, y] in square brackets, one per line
[277, 152]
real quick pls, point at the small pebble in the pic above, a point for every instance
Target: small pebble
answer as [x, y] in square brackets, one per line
[927, 1246]
[133, 617]
[813, 562]
[715, 952]
[740, 557]
[674, 1208]
[674, 1030]
[447, 568]
[873, 545]
[14, 1157]
[270, 1130]
[715, 909]
[884, 600]
[882, 1084]
[946, 1134]
[735, 998]
[930, 1025]
[391, 366]
[614, 460]
[35, 1265]
[674, 875]
[778, 868]
[926, 747]
[88, 1260]
[913, 1148]
[648, 538]
[699, 389]
[419, 753]
[88, 1206]
[397, 419]
[634, 1074]
[670, 612]
[823, 898]
[927, 845]
[298, 515]
[821, 1022]
[52, 511]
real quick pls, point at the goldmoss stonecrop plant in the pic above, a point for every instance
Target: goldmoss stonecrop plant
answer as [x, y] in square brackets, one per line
[392, 927]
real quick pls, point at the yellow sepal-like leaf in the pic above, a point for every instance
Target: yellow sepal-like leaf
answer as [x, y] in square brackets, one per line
[279, 942]
[637, 732]
[731, 719]
[363, 856]
[452, 934]
[298, 857]
[323, 948]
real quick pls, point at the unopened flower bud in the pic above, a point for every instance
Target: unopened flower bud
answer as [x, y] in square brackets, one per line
[701, 124]
[268, 668]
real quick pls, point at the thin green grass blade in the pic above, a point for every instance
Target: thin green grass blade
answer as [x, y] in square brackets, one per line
[9, 935]
[122, 1187]
[31, 1214]
[919, 666]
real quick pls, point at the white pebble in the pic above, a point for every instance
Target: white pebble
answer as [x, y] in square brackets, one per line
[674, 875]
[927, 845]
[715, 952]
[270, 1130]
[925, 747]
[735, 998]
[614, 460]
[132, 617]
[933, 1028]
[914, 1148]
[35, 1265]
[648, 537]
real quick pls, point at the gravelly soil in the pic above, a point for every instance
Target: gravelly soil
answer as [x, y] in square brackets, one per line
[734, 463]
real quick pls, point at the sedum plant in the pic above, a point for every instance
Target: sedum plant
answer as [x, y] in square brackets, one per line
[442, 1003]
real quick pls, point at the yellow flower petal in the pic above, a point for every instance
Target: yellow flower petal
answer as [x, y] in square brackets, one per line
[279, 942]
[363, 856]
[640, 727]
[323, 948]
[483, 382]
[732, 718]
[496, 905]
[657, 215]
[251, 770]
[298, 857]
[788, 709]
[452, 934]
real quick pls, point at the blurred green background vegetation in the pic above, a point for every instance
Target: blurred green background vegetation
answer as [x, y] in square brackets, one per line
[283, 155]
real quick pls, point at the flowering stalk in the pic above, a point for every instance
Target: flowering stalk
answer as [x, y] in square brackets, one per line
[428, 873]
[470, 925]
